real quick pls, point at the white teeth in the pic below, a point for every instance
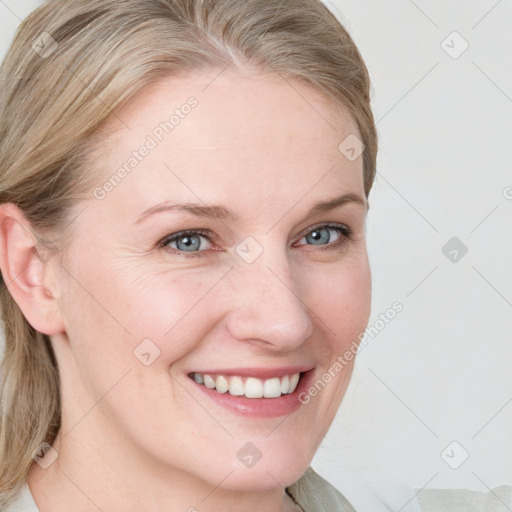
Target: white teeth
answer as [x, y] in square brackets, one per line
[221, 384]
[209, 382]
[294, 380]
[272, 388]
[236, 386]
[252, 387]
[285, 384]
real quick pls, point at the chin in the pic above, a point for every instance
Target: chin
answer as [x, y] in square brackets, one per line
[262, 479]
[277, 470]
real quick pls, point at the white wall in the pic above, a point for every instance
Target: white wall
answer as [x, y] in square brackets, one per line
[440, 370]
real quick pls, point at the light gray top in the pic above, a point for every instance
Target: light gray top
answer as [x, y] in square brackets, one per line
[315, 494]
[498, 499]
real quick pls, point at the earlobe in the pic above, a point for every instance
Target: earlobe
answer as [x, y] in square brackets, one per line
[24, 264]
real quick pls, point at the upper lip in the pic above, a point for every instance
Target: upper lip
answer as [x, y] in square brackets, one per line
[259, 373]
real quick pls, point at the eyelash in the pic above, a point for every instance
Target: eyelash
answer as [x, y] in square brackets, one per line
[344, 231]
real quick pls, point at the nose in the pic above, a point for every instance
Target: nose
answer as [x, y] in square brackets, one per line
[267, 305]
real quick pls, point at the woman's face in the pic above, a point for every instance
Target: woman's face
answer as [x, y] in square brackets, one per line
[265, 284]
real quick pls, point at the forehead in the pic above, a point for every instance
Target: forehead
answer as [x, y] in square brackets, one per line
[209, 134]
[244, 101]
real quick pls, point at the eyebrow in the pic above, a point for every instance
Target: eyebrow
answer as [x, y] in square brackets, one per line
[222, 213]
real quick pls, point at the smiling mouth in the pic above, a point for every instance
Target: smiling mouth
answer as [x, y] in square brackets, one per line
[250, 387]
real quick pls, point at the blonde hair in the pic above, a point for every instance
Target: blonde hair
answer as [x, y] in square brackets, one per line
[70, 65]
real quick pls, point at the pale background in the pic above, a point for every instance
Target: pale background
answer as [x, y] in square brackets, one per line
[441, 370]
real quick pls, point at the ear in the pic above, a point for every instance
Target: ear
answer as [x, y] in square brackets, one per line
[27, 267]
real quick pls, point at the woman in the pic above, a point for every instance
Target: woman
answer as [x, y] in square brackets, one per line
[184, 192]
[184, 186]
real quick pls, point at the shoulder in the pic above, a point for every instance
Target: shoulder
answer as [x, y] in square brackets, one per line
[498, 499]
[315, 494]
[23, 502]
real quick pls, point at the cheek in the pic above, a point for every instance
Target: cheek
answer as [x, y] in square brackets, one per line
[115, 322]
[115, 316]
[173, 309]
[147, 300]
[341, 298]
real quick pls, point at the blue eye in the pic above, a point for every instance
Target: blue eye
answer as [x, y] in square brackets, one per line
[188, 241]
[194, 243]
[327, 235]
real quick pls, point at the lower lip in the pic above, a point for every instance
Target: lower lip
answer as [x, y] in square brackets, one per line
[260, 407]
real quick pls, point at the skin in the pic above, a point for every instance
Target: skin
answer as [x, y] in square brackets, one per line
[138, 437]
